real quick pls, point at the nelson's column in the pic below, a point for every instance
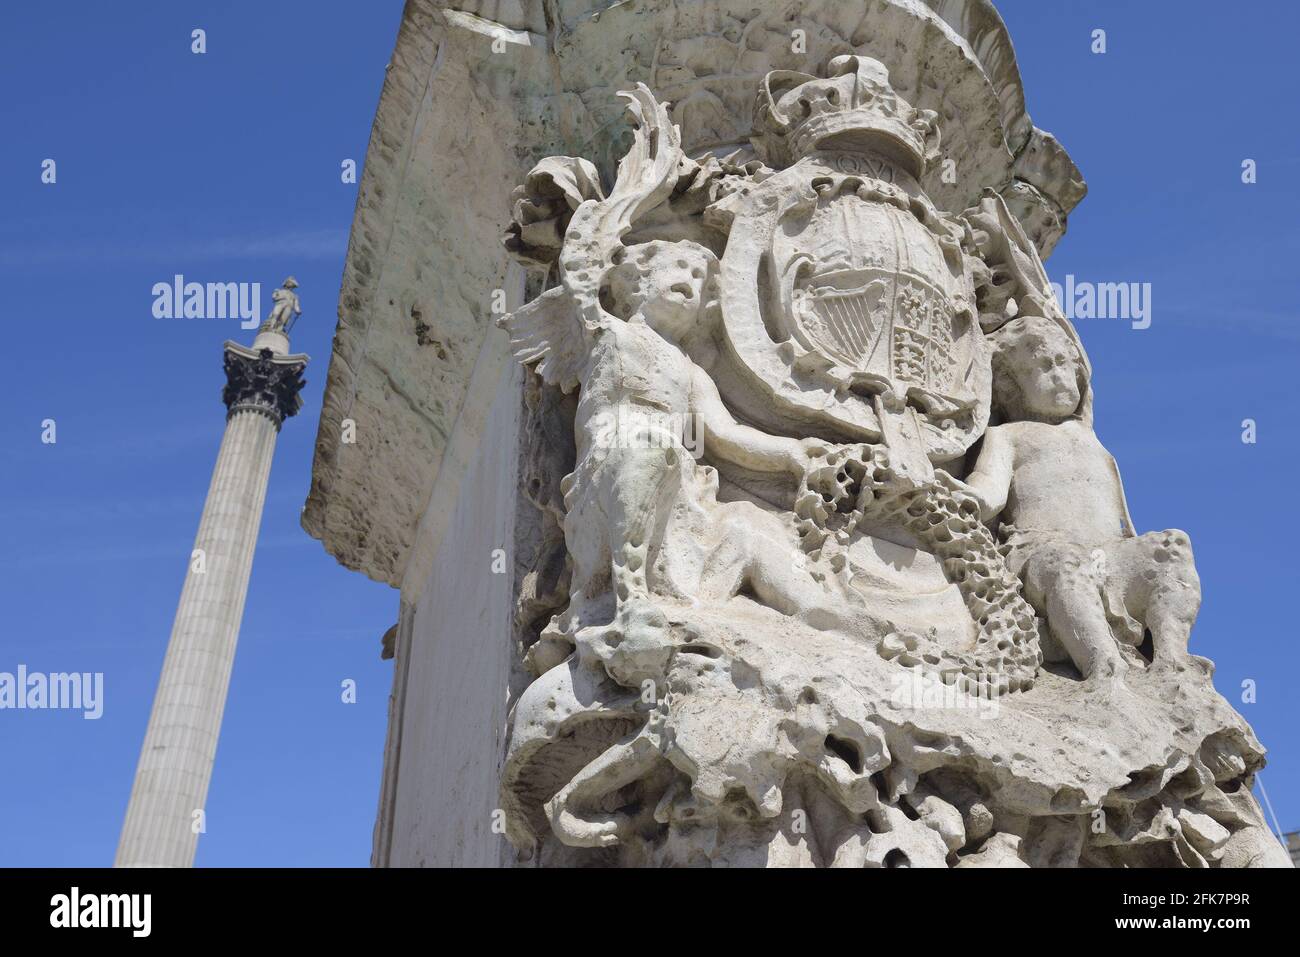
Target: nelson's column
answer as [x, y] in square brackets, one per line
[171, 780]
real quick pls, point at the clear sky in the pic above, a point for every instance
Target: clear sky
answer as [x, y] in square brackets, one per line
[225, 167]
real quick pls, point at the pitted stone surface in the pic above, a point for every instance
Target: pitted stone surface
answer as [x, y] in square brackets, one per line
[819, 559]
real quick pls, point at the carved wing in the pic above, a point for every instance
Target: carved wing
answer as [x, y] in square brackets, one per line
[1018, 254]
[553, 332]
[647, 175]
[548, 334]
[648, 172]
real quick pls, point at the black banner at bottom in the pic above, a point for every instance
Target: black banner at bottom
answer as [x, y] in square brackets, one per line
[334, 906]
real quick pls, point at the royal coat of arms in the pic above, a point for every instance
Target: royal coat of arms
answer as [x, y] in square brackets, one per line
[846, 294]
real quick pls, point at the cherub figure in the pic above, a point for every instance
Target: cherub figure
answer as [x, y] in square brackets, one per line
[1064, 517]
[622, 326]
[645, 412]
[286, 307]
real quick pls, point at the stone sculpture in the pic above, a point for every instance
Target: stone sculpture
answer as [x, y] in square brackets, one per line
[287, 308]
[1069, 533]
[850, 580]
[723, 685]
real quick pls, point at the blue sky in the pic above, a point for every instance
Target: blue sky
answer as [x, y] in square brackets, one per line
[225, 167]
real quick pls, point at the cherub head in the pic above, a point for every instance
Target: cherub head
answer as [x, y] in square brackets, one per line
[1038, 372]
[671, 286]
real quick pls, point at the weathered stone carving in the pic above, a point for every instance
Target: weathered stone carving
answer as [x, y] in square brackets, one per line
[1068, 531]
[796, 632]
[263, 382]
[287, 308]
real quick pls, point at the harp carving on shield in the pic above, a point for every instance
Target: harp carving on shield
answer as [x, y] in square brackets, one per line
[845, 315]
[886, 329]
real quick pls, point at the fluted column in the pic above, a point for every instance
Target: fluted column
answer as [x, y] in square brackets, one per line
[180, 744]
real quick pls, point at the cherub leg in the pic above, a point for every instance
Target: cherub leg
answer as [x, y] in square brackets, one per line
[647, 477]
[635, 485]
[728, 566]
[1164, 591]
[753, 556]
[1064, 583]
[589, 552]
[781, 581]
[615, 510]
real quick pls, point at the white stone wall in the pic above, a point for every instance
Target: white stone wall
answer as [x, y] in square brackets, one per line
[448, 727]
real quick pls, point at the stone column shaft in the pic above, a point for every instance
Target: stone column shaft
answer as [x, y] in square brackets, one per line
[171, 782]
[181, 742]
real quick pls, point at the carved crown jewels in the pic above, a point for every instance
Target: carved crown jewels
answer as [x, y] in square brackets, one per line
[854, 109]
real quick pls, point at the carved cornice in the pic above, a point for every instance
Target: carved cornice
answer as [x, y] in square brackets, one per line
[261, 381]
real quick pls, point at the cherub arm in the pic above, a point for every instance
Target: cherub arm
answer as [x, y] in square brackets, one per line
[740, 444]
[990, 480]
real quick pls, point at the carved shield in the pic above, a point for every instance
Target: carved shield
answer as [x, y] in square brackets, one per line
[889, 326]
[833, 296]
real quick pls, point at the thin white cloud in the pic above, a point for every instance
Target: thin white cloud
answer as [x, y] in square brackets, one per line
[1237, 319]
[319, 244]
